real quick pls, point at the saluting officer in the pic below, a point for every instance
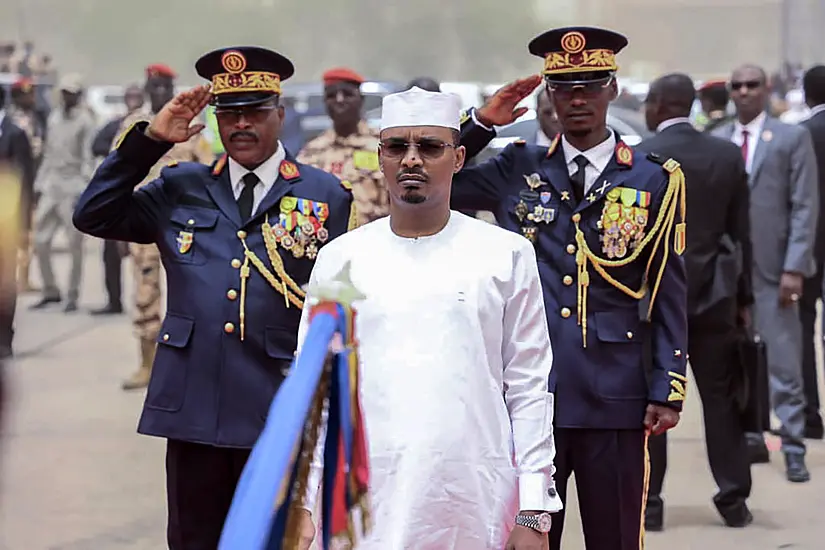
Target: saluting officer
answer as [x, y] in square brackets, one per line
[608, 227]
[238, 240]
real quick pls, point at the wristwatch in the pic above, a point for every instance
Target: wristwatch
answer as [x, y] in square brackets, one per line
[537, 522]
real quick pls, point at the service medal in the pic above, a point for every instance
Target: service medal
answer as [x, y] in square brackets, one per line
[185, 239]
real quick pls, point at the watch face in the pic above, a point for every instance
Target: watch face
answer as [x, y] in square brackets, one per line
[545, 522]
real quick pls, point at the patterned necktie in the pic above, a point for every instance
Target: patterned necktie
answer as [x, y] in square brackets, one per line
[578, 178]
[247, 196]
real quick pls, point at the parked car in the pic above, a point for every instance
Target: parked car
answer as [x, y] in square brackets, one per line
[629, 124]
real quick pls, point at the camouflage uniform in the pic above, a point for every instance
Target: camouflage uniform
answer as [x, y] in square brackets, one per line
[26, 121]
[146, 257]
[354, 159]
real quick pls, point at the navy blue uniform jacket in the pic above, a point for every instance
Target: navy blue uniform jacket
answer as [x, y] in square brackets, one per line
[208, 385]
[634, 355]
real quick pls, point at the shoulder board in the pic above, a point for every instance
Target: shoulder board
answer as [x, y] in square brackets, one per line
[658, 159]
[346, 185]
[171, 164]
[670, 165]
[520, 142]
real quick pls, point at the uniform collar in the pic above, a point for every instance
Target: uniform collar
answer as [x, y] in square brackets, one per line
[598, 156]
[267, 172]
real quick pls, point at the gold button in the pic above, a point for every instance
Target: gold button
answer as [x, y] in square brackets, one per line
[231, 293]
[568, 280]
[565, 312]
[241, 234]
[229, 328]
[629, 335]
[190, 221]
[571, 249]
[576, 218]
[236, 263]
[166, 337]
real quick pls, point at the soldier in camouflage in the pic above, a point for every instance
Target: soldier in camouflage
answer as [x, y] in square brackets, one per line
[23, 114]
[349, 150]
[160, 88]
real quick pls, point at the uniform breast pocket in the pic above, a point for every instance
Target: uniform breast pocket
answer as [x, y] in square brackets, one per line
[191, 229]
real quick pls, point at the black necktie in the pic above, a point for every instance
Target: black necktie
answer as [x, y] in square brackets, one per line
[247, 196]
[578, 178]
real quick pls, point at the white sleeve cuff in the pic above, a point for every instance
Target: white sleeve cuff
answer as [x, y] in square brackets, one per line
[536, 491]
[475, 119]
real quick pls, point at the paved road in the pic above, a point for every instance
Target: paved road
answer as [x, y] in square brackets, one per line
[76, 477]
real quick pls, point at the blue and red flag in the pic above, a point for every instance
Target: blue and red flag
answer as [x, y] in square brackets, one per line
[264, 512]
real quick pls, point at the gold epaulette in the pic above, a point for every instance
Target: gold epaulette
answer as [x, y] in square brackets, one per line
[663, 228]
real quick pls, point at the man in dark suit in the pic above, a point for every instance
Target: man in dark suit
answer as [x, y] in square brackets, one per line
[717, 258]
[16, 154]
[814, 85]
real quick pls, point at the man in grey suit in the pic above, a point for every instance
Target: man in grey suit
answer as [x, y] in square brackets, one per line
[782, 175]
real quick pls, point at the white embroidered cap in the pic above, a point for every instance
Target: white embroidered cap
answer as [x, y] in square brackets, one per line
[417, 107]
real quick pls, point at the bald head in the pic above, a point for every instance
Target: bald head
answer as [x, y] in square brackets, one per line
[676, 92]
[670, 96]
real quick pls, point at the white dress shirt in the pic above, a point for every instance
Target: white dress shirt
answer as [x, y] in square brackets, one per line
[597, 157]
[754, 128]
[458, 419]
[673, 122]
[266, 172]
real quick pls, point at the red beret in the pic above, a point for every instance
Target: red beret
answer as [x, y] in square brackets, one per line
[718, 83]
[159, 69]
[22, 84]
[342, 74]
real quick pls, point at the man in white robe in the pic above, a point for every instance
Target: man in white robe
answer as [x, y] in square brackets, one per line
[455, 354]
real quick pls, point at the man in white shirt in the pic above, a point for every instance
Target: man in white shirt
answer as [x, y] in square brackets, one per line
[455, 353]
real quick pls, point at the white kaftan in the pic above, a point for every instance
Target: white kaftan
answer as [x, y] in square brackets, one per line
[455, 356]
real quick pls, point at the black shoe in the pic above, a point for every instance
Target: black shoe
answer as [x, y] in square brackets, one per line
[111, 309]
[45, 302]
[738, 518]
[758, 453]
[795, 469]
[814, 428]
[654, 514]
[71, 307]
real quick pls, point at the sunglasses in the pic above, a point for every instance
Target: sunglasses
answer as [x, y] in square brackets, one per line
[750, 84]
[256, 113]
[590, 88]
[428, 148]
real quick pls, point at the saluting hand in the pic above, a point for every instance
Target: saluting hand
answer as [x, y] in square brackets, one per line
[171, 124]
[501, 108]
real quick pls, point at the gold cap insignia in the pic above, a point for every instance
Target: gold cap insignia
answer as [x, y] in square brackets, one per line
[573, 42]
[233, 62]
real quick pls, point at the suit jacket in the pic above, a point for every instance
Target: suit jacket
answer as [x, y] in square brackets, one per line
[16, 150]
[232, 317]
[784, 199]
[718, 255]
[603, 385]
[816, 126]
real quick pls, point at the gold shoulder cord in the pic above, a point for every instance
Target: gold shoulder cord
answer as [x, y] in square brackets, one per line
[291, 290]
[662, 229]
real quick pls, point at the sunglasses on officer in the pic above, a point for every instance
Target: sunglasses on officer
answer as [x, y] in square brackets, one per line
[251, 113]
[737, 85]
[590, 87]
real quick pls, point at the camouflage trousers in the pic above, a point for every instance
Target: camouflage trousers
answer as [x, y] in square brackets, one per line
[148, 299]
